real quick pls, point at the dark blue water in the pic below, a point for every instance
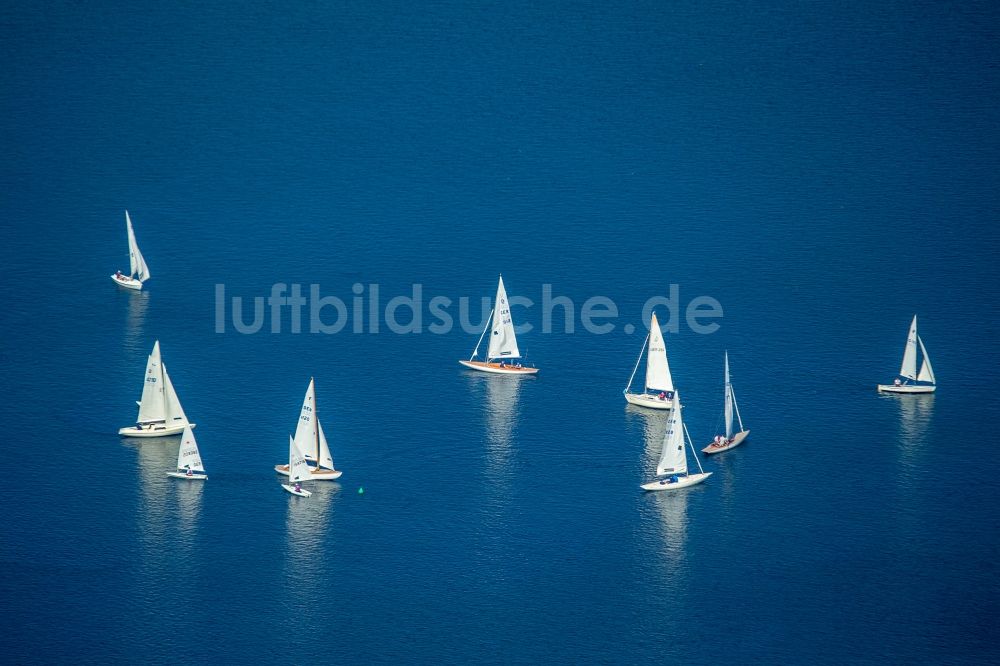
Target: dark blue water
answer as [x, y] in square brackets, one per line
[824, 171]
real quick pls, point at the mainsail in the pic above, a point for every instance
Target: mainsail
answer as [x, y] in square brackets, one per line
[909, 367]
[152, 407]
[657, 369]
[137, 265]
[503, 342]
[673, 460]
[305, 430]
[729, 402]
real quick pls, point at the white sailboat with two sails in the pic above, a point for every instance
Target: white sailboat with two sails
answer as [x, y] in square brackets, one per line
[658, 390]
[502, 355]
[731, 438]
[672, 469]
[160, 411]
[138, 270]
[311, 442]
[909, 380]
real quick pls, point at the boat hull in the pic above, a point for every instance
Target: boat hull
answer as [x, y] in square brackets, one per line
[320, 475]
[127, 282]
[682, 482]
[906, 388]
[646, 400]
[189, 477]
[498, 369]
[731, 444]
[154, 430]
[301, 492]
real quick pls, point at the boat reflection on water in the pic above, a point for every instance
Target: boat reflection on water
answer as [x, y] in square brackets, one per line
[915, 415]
[501, 410]
[155, 517]
[307, 522]
[135, 320]
[665, 513]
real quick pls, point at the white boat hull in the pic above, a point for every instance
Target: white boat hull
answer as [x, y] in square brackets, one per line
[647, 400]
[301, 492]
[127, 282]
[314, 475]
[496, 368]
[191, 477]
[681, 482]
[907, 388]
[731, 444]
[154, 430]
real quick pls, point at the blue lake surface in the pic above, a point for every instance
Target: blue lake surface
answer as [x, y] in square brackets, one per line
[824, 171]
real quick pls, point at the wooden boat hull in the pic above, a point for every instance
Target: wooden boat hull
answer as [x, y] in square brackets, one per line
[302, 492]
[646, 400]
[498, 369]
[155, 430]
[314, 475]
[731, 444]
[682, 482]
[907, 388]
[127, 282]
[190, 477]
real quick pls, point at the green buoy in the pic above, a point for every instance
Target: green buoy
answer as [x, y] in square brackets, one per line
[361, 490]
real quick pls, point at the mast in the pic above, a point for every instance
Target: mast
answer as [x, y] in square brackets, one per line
[728, 402]
[908, 368]
[315, 421]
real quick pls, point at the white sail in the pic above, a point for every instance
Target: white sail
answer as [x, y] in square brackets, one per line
[673, 460]
[298, 468]
[137, 264]
[325, 458]
[188, 456]
[152, 406]
[729, 402]
[174, 413]
[909, 367]
[657, 369]
[926, 371]
[305, 430]
[503, 342]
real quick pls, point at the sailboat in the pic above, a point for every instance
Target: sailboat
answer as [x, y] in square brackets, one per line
[731, 439]
[138, 270]
[189, 465]
[502, 354]
[311, 440]
[299, 470]
[659, 387]
[672, 470]
[160, 411]
[909, 380]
